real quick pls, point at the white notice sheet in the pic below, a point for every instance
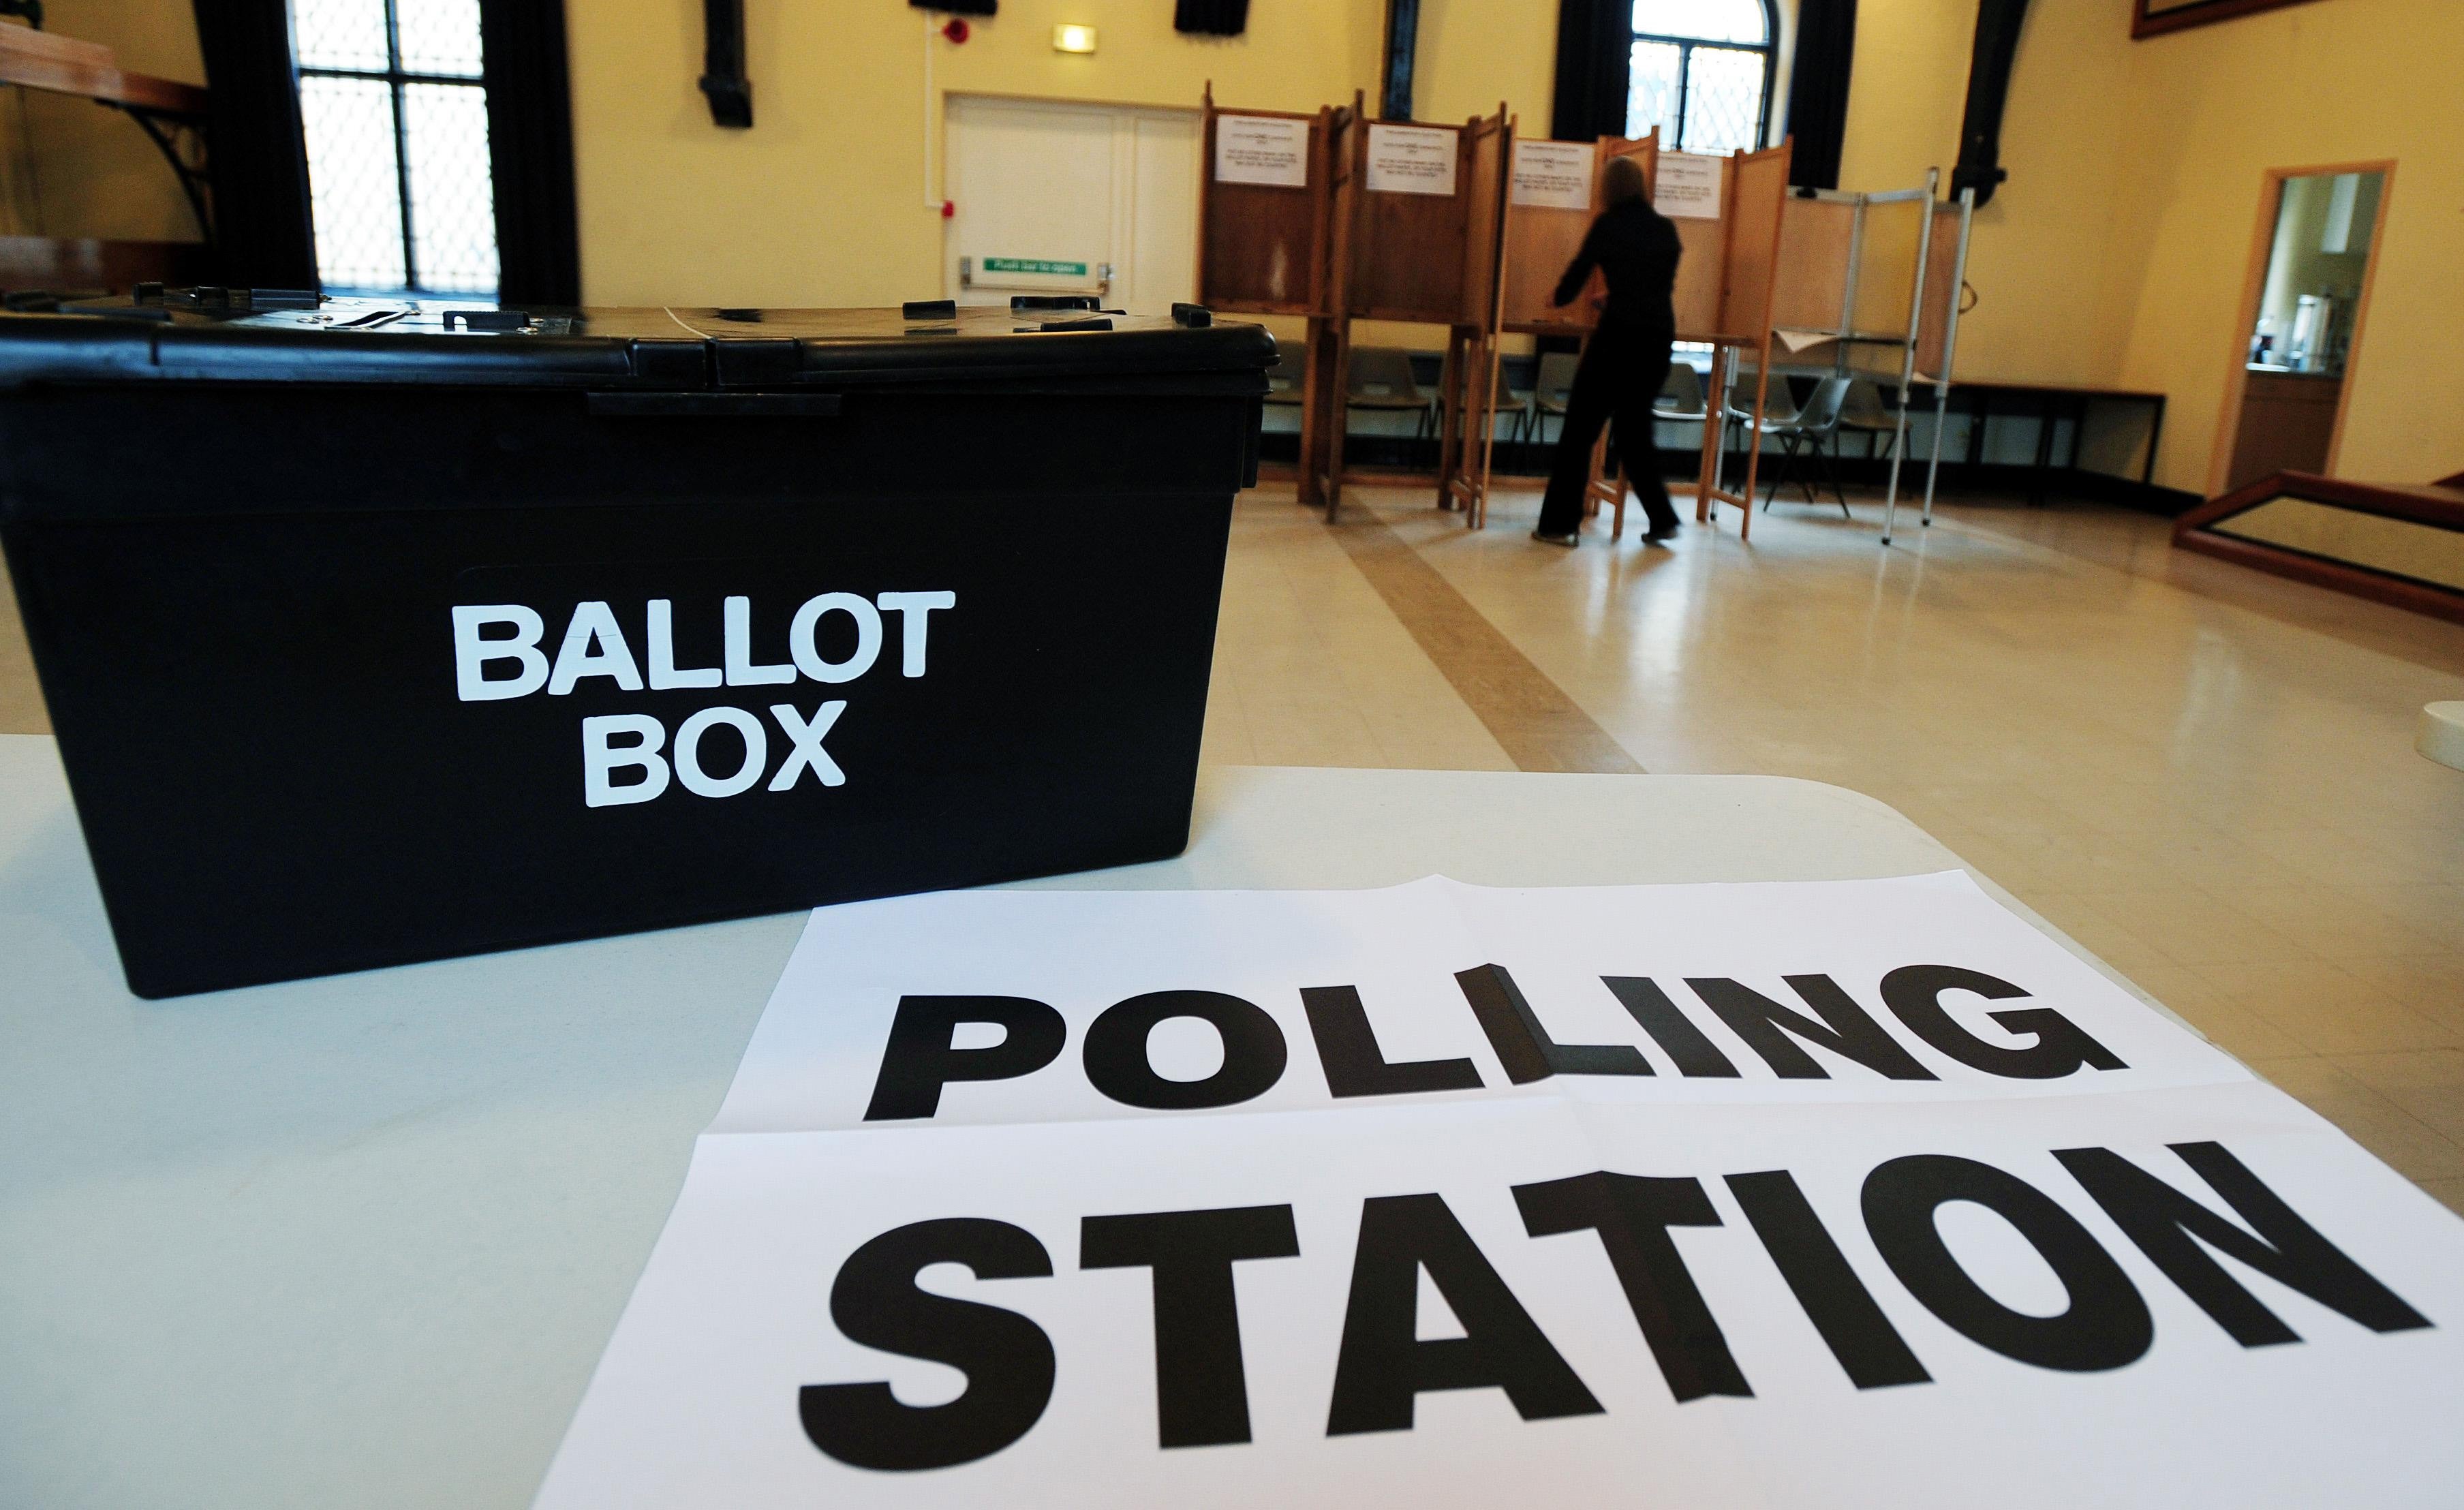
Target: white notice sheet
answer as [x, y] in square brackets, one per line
[1411, 160]
[1842, 1194]
[1686, 186]
[1552, 175]
[1262, 150]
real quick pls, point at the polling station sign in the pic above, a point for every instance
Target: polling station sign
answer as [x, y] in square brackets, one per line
[1836, 1193]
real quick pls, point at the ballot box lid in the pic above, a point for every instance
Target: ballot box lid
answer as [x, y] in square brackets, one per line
[231, 335]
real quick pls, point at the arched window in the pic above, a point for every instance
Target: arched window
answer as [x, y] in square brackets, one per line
[1702, 73]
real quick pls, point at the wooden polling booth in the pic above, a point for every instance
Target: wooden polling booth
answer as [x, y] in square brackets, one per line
[1726, 211]
[1418, 211]
[1267, 235]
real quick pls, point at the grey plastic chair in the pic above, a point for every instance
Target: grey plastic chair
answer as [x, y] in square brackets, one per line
[1500, 400]
[1808, 433]
[1284, 380]
[1681, 395]
[1864, 413]
[1381, 379]
[1554, 389]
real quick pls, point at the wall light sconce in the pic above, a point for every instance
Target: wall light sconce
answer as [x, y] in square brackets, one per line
[1074, 38]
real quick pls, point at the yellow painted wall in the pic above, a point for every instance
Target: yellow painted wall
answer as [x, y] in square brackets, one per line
[2115, 256]
[2117, 252]
[70, 167]
[824, 201]
[2362, 79]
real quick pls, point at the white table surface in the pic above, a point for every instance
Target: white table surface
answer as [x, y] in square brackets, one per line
[359, 1241]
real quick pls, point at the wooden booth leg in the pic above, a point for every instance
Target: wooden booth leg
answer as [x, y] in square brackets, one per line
[1715, 432]
[1337, 412]
[1754, 444]
[1315, 356]
[1450, 413]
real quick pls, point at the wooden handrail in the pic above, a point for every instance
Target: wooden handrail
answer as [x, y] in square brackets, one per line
[56, 65]
[2436, 505]
[2431, 504]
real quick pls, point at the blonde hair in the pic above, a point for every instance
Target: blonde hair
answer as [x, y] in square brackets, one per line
[1621, 181]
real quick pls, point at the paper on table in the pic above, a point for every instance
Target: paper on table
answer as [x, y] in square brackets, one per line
[1845, 1252]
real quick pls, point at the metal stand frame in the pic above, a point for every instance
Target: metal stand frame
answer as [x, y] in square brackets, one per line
[1940, 381]
[1847, 335]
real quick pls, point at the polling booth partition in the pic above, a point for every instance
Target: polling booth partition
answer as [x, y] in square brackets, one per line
[1467, 439]
[1874, 284]
[1409, 202]
[1731, 310]
[1726, 211]
[1266, 235]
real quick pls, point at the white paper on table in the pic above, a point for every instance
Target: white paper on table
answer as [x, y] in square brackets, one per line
[1686, 186]
[1411, 160]
[699, 1397]
[1796, 341]
[1262, 150]
[1552, 175]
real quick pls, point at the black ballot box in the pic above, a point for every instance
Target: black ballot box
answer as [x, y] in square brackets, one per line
[376, 633]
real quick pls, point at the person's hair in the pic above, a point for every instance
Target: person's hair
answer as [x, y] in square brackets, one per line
[1621, 181]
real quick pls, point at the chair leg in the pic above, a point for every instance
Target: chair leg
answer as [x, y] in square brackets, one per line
[1780, 472]
[1830, 471]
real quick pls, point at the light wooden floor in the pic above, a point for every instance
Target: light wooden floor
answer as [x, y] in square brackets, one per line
[2203, 774]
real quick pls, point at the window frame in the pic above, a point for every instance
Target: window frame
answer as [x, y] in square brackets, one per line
[396, 78]
[1768, 48]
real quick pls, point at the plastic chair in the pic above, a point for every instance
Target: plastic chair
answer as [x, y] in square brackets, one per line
[1681, 395]
[1287, 378]
[1807, 432]
[1381, 379]
[1500, 400]
[1521, 398]
[1554, 389]
[1864, 413]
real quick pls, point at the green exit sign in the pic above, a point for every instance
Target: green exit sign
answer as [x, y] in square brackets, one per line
[1065, 270]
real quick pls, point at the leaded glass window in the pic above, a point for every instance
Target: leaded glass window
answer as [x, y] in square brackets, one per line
[396, 115]
[1701, 73]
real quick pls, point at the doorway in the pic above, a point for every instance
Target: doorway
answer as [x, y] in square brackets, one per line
[2300, 330]
[1054, 197]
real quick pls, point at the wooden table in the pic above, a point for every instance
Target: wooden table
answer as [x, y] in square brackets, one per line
[2049, 402]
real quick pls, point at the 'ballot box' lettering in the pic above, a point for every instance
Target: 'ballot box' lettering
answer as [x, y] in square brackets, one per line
[501, 652]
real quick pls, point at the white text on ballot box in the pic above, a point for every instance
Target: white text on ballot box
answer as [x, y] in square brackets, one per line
[1793, 1194]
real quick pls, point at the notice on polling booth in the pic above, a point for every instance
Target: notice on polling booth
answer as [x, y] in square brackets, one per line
[1686, 186]
[1840, 1194]
[1412, 160]
[1262, 150]
[1552, 175]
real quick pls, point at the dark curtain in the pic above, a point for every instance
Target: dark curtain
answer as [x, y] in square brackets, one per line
[264, 238]
[1595, 41]
[1817, 90]
[529, 148]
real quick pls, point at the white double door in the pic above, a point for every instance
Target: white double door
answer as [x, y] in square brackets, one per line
[1061, 198]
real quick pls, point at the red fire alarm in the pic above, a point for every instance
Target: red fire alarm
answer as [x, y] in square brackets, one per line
[949, 209]
[956, 29]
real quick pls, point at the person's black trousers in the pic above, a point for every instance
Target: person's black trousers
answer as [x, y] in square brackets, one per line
[1619, 375]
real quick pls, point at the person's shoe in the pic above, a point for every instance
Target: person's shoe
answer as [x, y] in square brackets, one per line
[1570, 539]
[1663, 532]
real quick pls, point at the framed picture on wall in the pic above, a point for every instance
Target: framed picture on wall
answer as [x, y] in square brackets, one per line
[2156, 18]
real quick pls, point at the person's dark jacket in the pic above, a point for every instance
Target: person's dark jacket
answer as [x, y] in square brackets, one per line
[1637, 248]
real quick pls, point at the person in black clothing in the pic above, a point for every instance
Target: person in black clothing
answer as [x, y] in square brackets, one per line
[1625, 361]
